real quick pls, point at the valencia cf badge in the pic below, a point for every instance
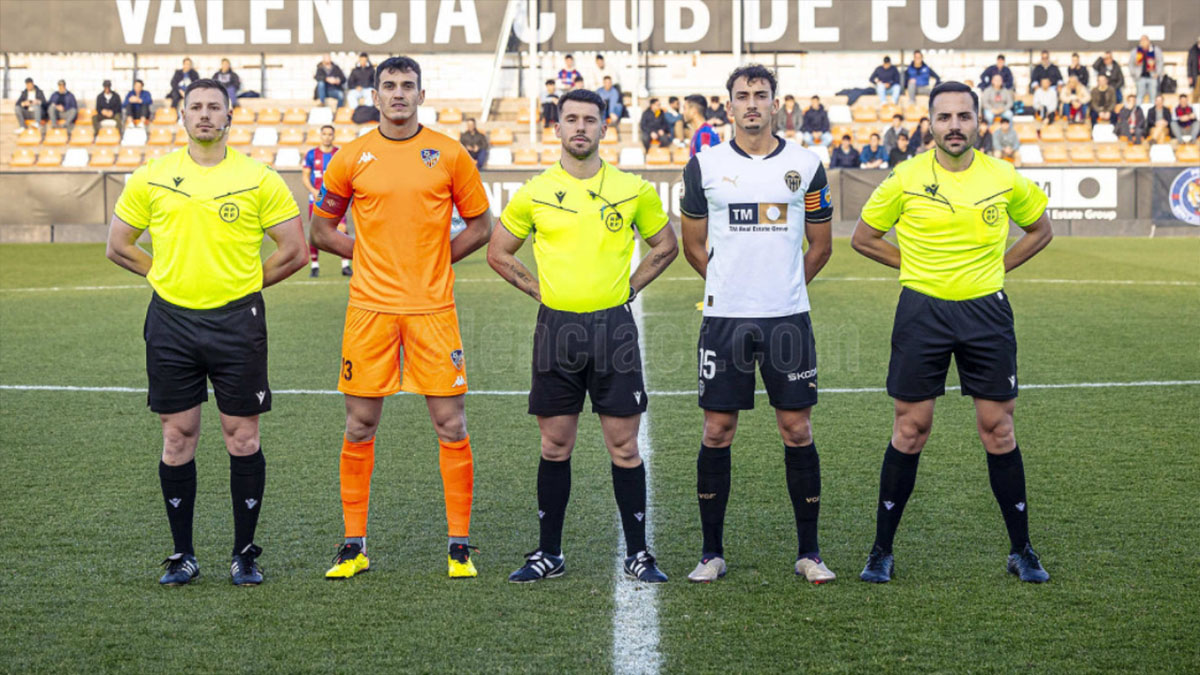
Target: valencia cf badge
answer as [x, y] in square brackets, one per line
[430, 157]
[792, 179]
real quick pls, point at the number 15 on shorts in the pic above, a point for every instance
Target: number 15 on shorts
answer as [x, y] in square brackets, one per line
[708, 366]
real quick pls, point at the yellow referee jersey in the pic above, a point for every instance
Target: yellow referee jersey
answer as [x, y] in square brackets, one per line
[953, 226]
[206, 224]
[583, 233]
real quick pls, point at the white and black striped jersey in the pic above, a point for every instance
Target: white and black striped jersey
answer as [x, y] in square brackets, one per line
[757, 208]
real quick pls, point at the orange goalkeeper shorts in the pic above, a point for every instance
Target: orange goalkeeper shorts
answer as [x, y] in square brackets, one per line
[374, 345]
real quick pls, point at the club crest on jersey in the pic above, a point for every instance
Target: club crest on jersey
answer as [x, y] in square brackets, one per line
[430, 157]
[229, 212]
[991, 214]
[456, 357]
[792, 180]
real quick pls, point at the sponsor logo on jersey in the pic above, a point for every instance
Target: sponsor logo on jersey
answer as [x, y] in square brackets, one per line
[805, 375]
[765, 213]
[430, 157]
[365, 157]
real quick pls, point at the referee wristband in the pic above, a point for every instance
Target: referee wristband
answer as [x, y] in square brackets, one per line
[632, 293]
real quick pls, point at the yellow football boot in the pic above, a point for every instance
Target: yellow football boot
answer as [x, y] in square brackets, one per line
[460, 563]
[349, 561]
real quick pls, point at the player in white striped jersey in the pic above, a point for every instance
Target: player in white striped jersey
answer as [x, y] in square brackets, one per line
[748, 206]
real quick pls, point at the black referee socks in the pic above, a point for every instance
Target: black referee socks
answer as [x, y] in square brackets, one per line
[896, 481]
[247, 478]
[553, 492]
[629, 487]
[712, 492]
[1007, 475]
[179, 495]
[803, 471]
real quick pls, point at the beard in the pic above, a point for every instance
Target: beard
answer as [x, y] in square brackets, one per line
[968, 141]
[581, 153]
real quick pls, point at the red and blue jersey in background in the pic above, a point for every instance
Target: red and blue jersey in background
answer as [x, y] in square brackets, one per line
[316, 162]
[705, 135]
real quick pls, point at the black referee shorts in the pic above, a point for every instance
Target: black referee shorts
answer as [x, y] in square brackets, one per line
[978, 332]
[593, 353]
[227, 345]
[782, 348]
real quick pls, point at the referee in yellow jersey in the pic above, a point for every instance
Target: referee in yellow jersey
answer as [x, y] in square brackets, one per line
[206, 207]
[951, 208]
[585, 212]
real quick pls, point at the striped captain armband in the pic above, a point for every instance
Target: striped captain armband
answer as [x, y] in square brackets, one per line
[333, 204]
[818, 205]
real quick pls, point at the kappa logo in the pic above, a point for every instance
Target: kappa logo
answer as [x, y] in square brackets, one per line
[640, 516]
[561, 194]
[888, 505]
[365, 157]
[261, 395]
[460, 381]
[175, 502]
[178, 180]
[251, 503]
[637, 396]
[1012, 380]
[727, 179]
[1021, 506]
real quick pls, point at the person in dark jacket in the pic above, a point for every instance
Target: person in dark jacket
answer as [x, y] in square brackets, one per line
[1159, 112]
[1000, 69]
[476, 143]
[138, 103]
[183, 77]
[921, 135]
[983, 141]
[1104, 101]
[886, 80]
[654, 126]
[1107, 66]
[1078, 70]
[902, 151]
[108, 107]
[361, 83]
[919, 78]
[815, 129]
[230, 80]
[844, 156]
[331, 81]
[1193, 65]
[1045, 70]
[790, 117]
[1131, 121]
[31, 105]
[64, 109]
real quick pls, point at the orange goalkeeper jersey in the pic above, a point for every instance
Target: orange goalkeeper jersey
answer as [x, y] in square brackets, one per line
[401, 195]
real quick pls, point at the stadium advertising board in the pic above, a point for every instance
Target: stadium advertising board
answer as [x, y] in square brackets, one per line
[1177, 195]
[426, 26]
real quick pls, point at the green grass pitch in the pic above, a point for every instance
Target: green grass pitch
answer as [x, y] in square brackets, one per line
[1113, 478]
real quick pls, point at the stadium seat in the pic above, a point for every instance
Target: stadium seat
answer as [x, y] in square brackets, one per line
[269, 116]
[264, 155]
[181, 137]
[102, 157]
[839, 131]
[525, 157]
[1108, 153]
[295, 116]
[680, 156]
[1188, 154]
[548, 137]
[1137, 154]
[76, 158]
[321, 115]
[288, 158]
[55, 137]
[238, 137]
[550, 156]
[523, 116]
[1052, 133]
[243, 115]
[313, 137]
[23, 157]
[610, 154]
[166, 115]
[265, 137]
[450, 116]
[1082, 154]
[889, 110]
[134, 137]
[610, 136]
[864, 113]
[85, 115]
[914, 112]
[29, 136]
[500, 157]
[862, 135]
[501, 136]
[82, 136]
[1027, 133]
[1161, 153]
[129, 157]
[1103, 133]
[344, 135]
[1078, 133]
[1055, 154]
[1030, 154]
[50, 157]
[161, 136]
[840, 114]
[631, 157]
[108, 136]
[344, 115]
[658, 157]
[292, 136]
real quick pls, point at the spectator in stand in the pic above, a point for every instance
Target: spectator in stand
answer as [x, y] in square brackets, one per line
[874, 156]
[815, 129]
[1107, 66]
[1075, 100]
[577, 83]
[921, 136]
[983, 141]
[31, 104]
[893, 132]
[1193, 66]
[64, 109]
[138, 103]
[902, 151]
[704, 136]
[844, 156]
[716, 115]
[612, 98]
[230, 80]
[1005, 142]
[361, 83]
[1045, 101]
[331, 81]
[1159, 113]
[1104, 101]
[476, 144]
[1076, 69]
[601, 71]
[549, 105]
[886, 80]
[790, 118]
[567, 74]
[1000, 69]
[108, 107]
[1131, 121]
[183, 77]
[1160, 132]
[1184, 126]
[675, 119]
[997, 101]
[1045, 70]
[654, 126]
[626, 104]
[919, 78]
[1145, 67]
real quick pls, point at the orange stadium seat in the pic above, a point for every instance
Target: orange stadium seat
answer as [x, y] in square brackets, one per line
[610, 136]
[889, 110]
[102, 157]
[523, 115]
[243, 115]
[501, 136]
[1053, 133]
[525, 157]
[839, 131]
[344, 135]
[181, 137]
[50, 157]
[1188, 154]
[264, 155]
[864, 113]
[1082, 154]
[1137, 154]
[108, 136]
[166, 115]
[55, 137]
[291, 136]
[344, 115]
[23, 157]
[129, 157]
[449, 116]
[85, 115]
[29, 136]
[313, 137]
[1108, 153]
[1079, 133]
[610, 155]
[862, 135]
[680, 156]
[268, 116]
[914, 112]
[82, 136]
[658, 157]
[548, 137]
[1027, 132]
[1054, 154]
[295, 116]
[161, 136]
[551, 155]
[238, 136]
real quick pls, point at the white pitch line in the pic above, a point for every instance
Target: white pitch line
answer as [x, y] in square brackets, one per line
[635, 613]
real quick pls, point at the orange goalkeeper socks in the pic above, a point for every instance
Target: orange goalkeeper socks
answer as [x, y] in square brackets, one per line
[458, 483]
[357, 463]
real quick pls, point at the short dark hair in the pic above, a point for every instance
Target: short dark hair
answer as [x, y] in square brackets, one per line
[898, 116]
[569, 56]
[29, 80]
[329, 127]
[600, 57]
[696, 100]
[673, 99]
[206, 83]
[106, 84]
[752, 72]
[714, 99]
[400, 63]
[585, 96]
[135, 82]
[789, 97]
[848, 137]
[917, 52]
[952, 87]
[63, 82]
[887, 59]
[874, 135]
[902, 134]
[360, 55]
[1000, 57]
[549, 81]
[578, 78]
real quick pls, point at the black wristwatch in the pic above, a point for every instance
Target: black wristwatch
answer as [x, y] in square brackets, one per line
[632, 293]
